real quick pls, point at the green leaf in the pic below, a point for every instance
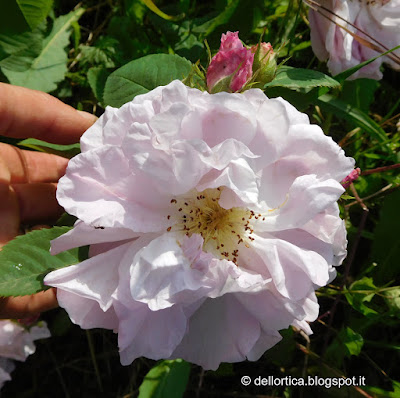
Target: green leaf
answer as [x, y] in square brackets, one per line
[346, 343]
[50, 66]
[35, 11]
[208, 27]
[341, 77]
[360, 119]
[66, 220]
[21, 49]
[12, 44]
[352, 341]
[136, 10]
[361, 292]
[386, 245]
[392, 298]
[161, 14]
[103, 53]
[26, 260]
[380, 393]
[97, 78]
[298, 78]
[142, 75]
[359, 93]
[168, 379]
[67, 151]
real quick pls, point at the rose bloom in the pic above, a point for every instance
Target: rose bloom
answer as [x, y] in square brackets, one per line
[17, 342]
[380, 19]
[211, 220]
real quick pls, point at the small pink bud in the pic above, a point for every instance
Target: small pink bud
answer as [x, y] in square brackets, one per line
[264, 63]
[350, 178]
[231, 67]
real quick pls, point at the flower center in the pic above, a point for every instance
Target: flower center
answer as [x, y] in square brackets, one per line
[223, 230]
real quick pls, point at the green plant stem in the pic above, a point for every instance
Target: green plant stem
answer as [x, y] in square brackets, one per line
[94, 361]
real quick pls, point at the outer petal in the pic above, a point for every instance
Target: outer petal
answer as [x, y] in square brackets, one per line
[311, 308]
[271, 310]
[142, 332]
[221, 330]
[82, 235]
[152, 334]
[314, 154]
[293, 269]
[266, 341]
[97, 188]
[307, 193]
[273, 118]
[94, 137]
[86, 312]
[329, 227]
[95, 278]
[115, 123]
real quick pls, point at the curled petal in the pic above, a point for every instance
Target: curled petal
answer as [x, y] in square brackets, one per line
[209, 343]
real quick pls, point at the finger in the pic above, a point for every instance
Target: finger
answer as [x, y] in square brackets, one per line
[9, 214]
[19, 166]
[29, 113]
[26, 306]
[37, 203]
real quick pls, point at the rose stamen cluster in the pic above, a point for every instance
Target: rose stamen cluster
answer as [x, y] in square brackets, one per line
[223, 230]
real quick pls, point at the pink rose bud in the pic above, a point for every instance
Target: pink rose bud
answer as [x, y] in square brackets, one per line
[350, 178]
[231, 67]
[264, 65]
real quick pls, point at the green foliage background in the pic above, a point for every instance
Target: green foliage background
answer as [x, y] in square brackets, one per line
[80, 52]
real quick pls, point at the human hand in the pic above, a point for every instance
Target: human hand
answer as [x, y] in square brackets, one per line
[28, 179]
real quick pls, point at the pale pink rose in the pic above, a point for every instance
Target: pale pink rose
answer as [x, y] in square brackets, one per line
[17, 343]
[379, 19]
[211, 220]
[233, 62]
